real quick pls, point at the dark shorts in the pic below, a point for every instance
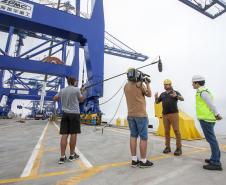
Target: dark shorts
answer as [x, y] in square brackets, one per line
[70, 124]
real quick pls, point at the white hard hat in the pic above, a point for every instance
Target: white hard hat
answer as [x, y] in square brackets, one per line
[197, 78]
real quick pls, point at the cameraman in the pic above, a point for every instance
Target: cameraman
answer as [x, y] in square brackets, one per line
[135, 92]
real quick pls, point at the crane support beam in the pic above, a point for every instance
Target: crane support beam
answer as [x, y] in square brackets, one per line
[47, 23]
[33, 66]
[218, 5]
[125, 54]
[31, 94]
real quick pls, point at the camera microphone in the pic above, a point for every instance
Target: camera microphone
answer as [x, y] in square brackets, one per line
[160, 65]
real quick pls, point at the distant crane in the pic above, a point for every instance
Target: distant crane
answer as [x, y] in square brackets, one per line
[210, 8]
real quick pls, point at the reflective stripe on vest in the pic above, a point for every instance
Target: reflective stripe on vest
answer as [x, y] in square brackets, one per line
[202, 109]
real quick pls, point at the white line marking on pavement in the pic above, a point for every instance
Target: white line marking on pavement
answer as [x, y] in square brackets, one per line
[27, 170]
[81, 156]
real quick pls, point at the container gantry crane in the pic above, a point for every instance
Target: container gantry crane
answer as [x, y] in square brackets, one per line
[62, 30]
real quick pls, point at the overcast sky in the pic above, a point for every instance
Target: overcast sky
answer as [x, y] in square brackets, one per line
[188, 42]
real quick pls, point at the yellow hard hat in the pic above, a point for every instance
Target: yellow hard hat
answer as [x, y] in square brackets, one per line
[167, 82]
[130, 69]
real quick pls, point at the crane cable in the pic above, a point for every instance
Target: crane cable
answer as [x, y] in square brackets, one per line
[114, 94]
[114, 113]
[152, 63]
[83, 74]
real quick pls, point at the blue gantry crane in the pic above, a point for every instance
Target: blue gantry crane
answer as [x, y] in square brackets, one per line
[88, 34]
[61, 30]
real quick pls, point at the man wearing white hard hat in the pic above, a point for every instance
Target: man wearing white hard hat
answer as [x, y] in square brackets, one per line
[207, 115]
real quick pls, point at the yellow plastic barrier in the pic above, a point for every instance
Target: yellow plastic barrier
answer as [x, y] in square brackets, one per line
[186, 123]
[125, 123]
[118, 122]
[121, 122]
[158, 110]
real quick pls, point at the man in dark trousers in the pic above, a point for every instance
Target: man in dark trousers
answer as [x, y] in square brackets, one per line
[207, 115]
[70, 97]
[169, 100]
[135, 92]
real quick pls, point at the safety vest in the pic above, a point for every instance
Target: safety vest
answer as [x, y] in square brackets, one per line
[202, 109]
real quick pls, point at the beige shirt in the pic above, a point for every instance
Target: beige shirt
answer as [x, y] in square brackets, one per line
[135, 99]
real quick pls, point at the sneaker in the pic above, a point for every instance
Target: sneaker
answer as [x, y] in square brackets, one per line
[62, 160]
[145, 165]
[213, 167]
[166, 150]
[178, 152]
[73, 157]
[207, 161]
[135, 163]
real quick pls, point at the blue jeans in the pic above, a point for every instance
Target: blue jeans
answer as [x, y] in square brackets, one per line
[208, 130]
[138, 127]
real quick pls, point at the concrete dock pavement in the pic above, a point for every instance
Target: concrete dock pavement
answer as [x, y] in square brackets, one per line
[108, 153]
[17, 141]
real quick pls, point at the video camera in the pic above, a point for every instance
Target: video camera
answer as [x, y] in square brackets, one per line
[135, 75]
